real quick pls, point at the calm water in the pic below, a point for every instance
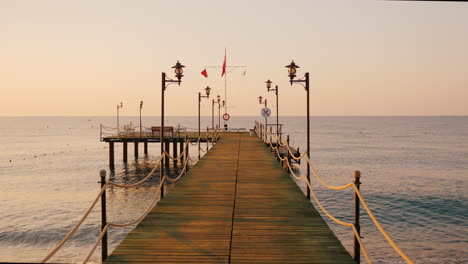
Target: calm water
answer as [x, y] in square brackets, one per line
[414, 177]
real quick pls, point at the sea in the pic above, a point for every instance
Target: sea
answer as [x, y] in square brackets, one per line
[414, 174]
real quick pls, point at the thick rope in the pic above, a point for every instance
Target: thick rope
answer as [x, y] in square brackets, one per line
[86, 214]
[139, 182]
[361, 244]
[77, 225]
[153, 201]
[101, 235]
[384, 233]
[377, 224]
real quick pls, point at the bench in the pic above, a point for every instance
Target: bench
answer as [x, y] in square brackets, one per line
[168, 131]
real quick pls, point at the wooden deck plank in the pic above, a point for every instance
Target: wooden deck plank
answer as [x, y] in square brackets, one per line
[236, 205]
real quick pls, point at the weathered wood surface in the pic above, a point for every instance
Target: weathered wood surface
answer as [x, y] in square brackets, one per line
[235, 206]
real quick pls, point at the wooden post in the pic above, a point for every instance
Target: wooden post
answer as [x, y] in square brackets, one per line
[166, 147]
[174, 149]
[357, 247]
[111, 155]
[136, 149]
[124, 152]
[145, 147]
[102, 174]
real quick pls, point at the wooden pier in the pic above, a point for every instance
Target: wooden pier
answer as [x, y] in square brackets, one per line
[136, 138]
[236, 205]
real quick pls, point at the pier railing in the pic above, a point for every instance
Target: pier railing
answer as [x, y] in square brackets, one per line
[274, 143]
[210, 137]
[132, 131]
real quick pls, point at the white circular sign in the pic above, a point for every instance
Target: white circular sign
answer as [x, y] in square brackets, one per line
[226, 117]
[266, 112]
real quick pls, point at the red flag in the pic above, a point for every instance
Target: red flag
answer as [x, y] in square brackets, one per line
[205, 73]
[224, 64]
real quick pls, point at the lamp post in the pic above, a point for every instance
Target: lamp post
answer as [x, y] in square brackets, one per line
[178, 70]
[292, 74]
[141, 106]
[268, 85]
[207, 92]
[218, 101]
[266, 118]
[119, 106]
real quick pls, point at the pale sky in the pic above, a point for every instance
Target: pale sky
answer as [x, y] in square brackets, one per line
[365, 57]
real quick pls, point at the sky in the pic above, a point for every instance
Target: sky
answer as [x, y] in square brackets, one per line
[364, 57]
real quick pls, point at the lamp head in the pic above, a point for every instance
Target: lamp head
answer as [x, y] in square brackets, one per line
[260, 99]
[223, 103]
[121, 104]
[268, 84]
[207, 91]
[178, 70]
[141, 104]
[218, 98]
[292, 68]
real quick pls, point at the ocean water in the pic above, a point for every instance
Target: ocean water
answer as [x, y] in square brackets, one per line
[414, 178]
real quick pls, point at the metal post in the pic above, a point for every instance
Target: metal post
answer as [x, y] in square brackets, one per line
[161, 138]
[287, 150]
[145, 147]
[174, 150]
[266, 124]
[199, 134]
[140, 121]
[357, 247]
[186, 152]
[277, 115]
[207, 140]
[181, 147]
[219, 115]
[118, 125]
[167, 148]
[212, 114]
[102, 174]
[271, 132]
[308, 133]
[111, 155]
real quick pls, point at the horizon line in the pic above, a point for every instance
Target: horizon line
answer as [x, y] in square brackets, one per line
[273, 116]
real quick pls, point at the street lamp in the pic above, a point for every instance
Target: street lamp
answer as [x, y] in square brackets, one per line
[266, 118]
[178, 70]
[118, 124]
[268, 85]
[141, 106]
[218, 101]
[292, 74]
[207, 92]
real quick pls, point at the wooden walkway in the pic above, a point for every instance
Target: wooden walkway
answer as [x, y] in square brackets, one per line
[237, 205]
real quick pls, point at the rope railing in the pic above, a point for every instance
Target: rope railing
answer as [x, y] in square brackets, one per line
[214, 136]
[263, 134]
